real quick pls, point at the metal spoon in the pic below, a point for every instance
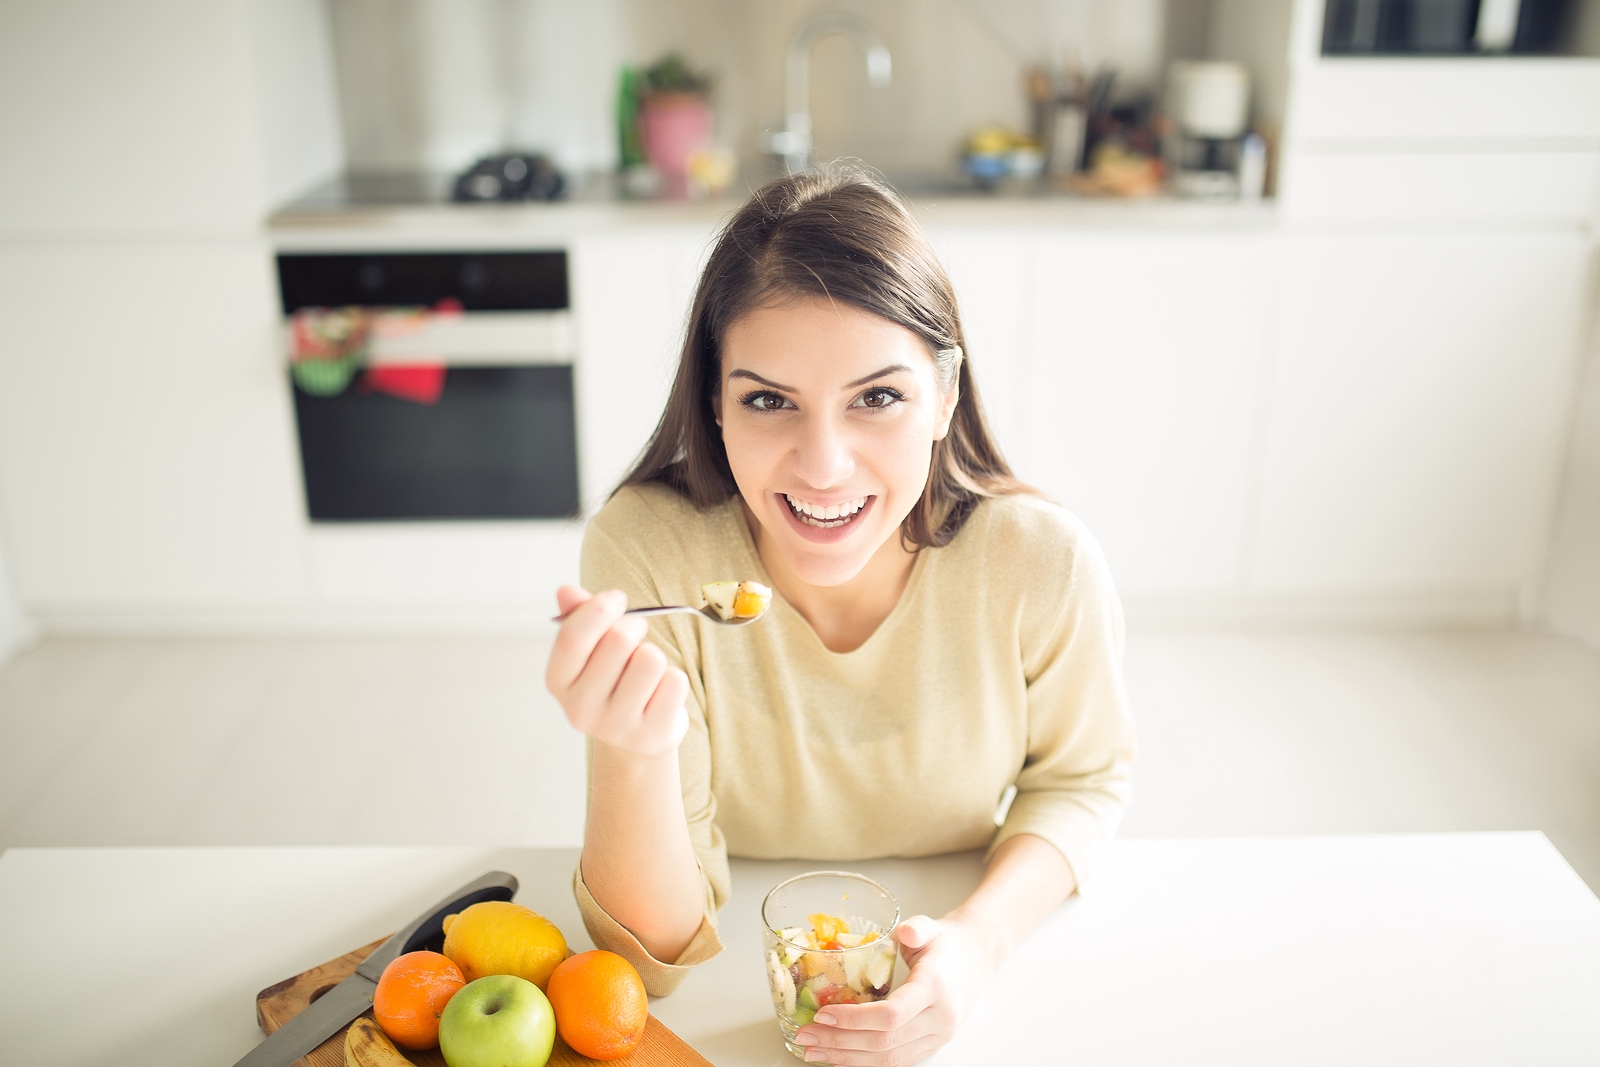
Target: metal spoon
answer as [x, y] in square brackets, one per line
[683, 609]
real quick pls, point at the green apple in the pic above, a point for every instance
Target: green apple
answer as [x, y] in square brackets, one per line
[497, 1021]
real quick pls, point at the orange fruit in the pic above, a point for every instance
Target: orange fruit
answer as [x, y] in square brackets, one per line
[600, 1004]
[411, 993]
[498, 937]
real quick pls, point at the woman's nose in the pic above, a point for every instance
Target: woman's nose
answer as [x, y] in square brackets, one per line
[824, 457]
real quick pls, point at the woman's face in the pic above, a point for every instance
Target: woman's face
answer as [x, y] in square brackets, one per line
[829, 415]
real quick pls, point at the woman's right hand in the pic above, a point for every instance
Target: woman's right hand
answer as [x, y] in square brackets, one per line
[613, 684]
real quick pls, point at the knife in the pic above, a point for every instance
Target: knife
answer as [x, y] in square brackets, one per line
[339, 1005]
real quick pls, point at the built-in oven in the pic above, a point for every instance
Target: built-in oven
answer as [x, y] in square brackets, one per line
[1443, 27]
[493, 437]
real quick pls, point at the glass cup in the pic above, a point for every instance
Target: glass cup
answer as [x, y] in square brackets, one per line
[804, 976]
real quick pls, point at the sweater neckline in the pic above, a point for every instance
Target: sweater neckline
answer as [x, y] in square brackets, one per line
[779, 603]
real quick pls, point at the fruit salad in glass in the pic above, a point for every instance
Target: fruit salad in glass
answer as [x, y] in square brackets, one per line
[829, 939]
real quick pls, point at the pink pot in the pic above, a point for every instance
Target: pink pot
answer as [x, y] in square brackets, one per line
[674, 126]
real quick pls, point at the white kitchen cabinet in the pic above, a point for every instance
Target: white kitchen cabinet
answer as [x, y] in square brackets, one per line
[147, 458]
[1551, 187]
[992, 273]
[1432, 98]
[1143, 394]
[630, 301]
[1417, 406]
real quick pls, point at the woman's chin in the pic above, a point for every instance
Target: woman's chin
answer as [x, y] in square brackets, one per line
[825, 569]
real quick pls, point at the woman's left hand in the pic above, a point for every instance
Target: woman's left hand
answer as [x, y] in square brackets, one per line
[949, 964]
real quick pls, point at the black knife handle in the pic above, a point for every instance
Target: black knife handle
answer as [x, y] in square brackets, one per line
[428, 928]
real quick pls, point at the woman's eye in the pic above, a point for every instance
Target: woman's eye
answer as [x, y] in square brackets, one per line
[880, 398]
[764, 401]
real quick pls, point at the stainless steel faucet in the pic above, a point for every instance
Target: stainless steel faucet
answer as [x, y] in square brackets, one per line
[793, 143]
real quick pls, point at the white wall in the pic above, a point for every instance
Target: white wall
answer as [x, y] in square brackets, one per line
[551, 67]
[1572, 581]
[146, 453]
[16, 628]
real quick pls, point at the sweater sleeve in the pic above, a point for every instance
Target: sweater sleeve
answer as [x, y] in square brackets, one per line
[608, 563]
[1075, 780]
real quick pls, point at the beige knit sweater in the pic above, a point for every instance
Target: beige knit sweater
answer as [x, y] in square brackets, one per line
[1000, 665]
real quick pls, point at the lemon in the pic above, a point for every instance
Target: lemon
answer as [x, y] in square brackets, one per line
[498, 937]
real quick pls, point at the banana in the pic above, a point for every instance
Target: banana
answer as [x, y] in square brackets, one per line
[366, 1045]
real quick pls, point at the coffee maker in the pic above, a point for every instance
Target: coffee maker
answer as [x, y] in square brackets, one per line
[1212, 154]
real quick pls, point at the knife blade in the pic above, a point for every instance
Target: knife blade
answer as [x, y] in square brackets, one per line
[323, 1018]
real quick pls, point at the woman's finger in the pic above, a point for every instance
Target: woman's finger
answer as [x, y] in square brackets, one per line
[593, 687]
[873, 1039]
[579, 634]
[665, 715]
[891, 1013]
[568, 597]
[637, 683]
[917, 932]
[912, 1052]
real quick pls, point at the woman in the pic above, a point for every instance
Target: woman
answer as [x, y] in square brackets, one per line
[939, 632]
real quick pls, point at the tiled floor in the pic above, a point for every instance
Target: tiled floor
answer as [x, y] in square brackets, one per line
[418, 740]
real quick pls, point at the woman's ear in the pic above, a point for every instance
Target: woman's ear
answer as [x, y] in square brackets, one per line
[947, 411]
[716, 406]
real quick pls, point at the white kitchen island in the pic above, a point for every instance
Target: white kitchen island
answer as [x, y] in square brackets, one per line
[1407, 949]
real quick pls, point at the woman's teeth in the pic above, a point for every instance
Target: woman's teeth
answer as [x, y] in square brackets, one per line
[827, 518]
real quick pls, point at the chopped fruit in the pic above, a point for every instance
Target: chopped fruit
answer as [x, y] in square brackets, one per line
[783, 992]
[751, 600]
[806, 1006]
[737, 600]
[827, 927]
[720, 596]
[824, 963]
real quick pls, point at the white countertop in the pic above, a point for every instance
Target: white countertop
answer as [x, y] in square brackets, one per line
[445, 225]
[1406, 949]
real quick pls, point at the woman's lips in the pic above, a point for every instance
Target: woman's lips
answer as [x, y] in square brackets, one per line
[822, 535]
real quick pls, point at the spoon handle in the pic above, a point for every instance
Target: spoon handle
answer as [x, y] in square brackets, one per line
[668, 609]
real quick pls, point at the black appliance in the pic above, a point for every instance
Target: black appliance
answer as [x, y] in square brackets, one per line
[509, 176]
[1441, 27]
[500, 443]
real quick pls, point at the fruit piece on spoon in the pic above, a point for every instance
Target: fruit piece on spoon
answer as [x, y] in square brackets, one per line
[737, 600]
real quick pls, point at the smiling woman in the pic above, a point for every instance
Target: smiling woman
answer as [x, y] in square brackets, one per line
[940, 637]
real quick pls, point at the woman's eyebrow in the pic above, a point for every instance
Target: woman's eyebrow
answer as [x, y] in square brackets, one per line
[893, 368]
[740, 372]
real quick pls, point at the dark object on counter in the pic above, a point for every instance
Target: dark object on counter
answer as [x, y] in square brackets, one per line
[479, 281]
[1441, 27]
[339, 1004]
[510, 176]
[1127, 123]
[499, 443]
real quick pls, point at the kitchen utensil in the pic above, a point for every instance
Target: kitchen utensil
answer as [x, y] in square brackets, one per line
[682, 609]
[281, 1002]
[333, 1010]
[1210, 104]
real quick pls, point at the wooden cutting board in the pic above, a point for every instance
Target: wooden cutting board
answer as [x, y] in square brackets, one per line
[277, 1004]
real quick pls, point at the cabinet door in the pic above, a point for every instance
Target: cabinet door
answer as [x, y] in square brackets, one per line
[1148, 352]
[1418, 398]
[991, 272]
[630, 303]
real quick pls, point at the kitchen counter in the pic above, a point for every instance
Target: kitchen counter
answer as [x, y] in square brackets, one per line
[412, 210]
[1402, 949]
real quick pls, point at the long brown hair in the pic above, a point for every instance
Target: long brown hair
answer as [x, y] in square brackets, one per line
[840, 235]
